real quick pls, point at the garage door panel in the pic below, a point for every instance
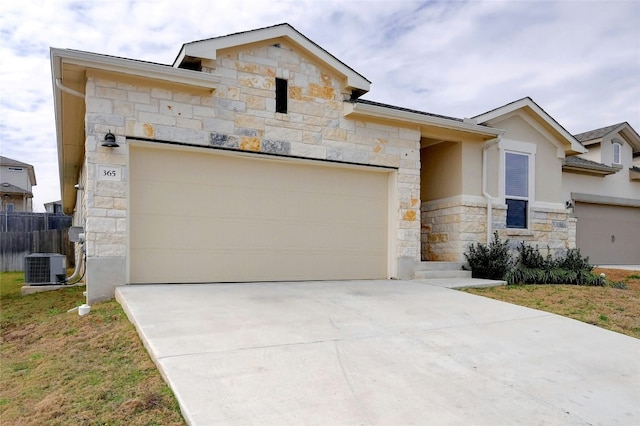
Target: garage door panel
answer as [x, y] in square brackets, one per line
[608, 234]
[256, 265]
[232, 218]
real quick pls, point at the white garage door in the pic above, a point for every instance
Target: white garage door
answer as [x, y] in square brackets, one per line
[210, 216]
[608, 234]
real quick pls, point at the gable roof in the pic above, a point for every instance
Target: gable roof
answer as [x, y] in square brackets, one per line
[6, 161]
[8, 188]
[582, 165]
[627, 132]
[548, 123]
[208, 48]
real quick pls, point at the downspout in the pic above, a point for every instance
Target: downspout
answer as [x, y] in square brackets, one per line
[81, 255]
[488, 144]
[68, 90]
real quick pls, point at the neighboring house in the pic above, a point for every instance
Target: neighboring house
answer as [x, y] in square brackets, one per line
[254, 158]
[604, 188]
[16, 182]
[53, 207]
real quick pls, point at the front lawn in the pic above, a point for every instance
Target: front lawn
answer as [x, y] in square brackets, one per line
[607, 307]
[62, 369]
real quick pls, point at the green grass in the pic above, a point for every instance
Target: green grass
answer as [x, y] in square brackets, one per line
[613, 308]
[62, 369]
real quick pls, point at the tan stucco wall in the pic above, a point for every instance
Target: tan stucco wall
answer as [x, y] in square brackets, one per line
[441, 170]
[493, 175]
[594, 153]
[472, 168]
[548, 173]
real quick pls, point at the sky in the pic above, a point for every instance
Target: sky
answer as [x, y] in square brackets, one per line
[578, 60]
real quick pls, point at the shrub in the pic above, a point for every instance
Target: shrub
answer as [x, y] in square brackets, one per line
[494, 261]
[532, 268]
[489, 261]
[573, 261]
[530, 257]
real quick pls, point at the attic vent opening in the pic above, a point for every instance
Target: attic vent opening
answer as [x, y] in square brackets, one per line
[191, 63]
[281, 95]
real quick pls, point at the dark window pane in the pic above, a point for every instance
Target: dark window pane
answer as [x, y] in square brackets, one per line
[281, 95]
[516, 214]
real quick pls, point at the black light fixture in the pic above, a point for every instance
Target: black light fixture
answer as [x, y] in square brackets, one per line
[110, 140]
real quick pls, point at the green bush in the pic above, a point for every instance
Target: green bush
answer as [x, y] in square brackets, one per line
[495, 261]
[573, 261]
[492, 261]
[532, 268]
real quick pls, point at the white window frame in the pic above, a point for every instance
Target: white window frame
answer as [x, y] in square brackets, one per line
[524, 148]
[617, 149]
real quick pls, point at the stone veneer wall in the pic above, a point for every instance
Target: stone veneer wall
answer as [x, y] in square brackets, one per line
[450, 226]
[240, 115]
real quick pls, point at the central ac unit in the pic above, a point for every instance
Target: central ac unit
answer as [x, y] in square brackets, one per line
[45, 268]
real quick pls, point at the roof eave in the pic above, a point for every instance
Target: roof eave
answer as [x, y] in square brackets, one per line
[136, 68]
[376, 111]
[129, 67]
[574, 146]
[587, 170]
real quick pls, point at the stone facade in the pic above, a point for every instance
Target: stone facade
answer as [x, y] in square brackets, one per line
[238, 115]
[450, 226]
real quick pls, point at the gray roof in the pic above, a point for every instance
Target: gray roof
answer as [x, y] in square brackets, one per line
[597, 133]
[414, 111]
[575, 162]
[8, 188]
[6, 161]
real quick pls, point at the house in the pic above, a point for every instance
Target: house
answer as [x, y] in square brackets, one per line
[16, 182]
[603, 185]
[253, 157]
[53, 207]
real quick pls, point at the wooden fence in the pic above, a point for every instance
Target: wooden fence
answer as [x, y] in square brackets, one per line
[25, 233]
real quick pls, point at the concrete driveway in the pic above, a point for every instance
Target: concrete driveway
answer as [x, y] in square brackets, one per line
[379, 353]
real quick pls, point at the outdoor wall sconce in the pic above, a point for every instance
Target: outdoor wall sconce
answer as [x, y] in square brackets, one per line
[110, 140]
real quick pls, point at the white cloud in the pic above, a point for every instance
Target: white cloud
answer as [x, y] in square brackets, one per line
[578, 60]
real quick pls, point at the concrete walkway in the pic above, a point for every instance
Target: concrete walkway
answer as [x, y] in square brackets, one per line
[379, 353]
[625, 267]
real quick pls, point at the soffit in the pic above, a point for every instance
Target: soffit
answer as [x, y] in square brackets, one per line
[70, 69]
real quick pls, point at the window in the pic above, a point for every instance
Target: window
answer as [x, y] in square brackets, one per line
[516, 189]
[617, 147]
[10, 207]
[281, 95]
[15, 169]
